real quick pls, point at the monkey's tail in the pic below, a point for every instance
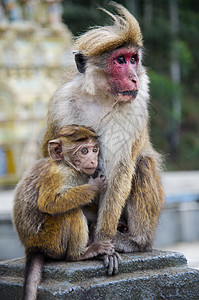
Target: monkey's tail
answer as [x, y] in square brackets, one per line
[33, 274]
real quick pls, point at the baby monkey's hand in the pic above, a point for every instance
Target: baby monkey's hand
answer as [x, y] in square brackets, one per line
[100, 182]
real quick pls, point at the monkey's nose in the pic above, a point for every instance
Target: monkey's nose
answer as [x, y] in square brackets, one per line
[134, 80]
[134, 83]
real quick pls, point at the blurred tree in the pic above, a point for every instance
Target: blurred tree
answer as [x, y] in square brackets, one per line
[175, 71]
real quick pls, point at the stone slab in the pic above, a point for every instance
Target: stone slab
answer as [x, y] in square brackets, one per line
[153, 275]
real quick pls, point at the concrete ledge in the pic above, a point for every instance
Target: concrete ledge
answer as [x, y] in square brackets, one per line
[154, 275]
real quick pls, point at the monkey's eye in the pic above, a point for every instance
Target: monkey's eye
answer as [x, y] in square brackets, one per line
[84, 150]
[95, 149]
[133, 60]
[121, 59]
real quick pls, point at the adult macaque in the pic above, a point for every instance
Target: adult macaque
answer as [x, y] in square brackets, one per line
[47, 206]
[110, 93]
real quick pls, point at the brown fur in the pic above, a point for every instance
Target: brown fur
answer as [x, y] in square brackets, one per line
[127, 158]
[146, 199]
[48, 214]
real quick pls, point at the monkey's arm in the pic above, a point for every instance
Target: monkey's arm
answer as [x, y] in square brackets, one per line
[143, 209]
[53, 203]
[118, 190]
[110, 210]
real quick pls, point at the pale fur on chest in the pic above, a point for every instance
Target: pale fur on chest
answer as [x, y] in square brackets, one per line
[117, 129]
[117, 126]
[117, 134]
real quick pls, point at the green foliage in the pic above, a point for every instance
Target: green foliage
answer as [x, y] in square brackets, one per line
[81, 13]
[163, 90]
[189, 34]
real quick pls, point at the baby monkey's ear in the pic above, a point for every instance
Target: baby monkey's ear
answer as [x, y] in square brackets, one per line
[80, 61]
[55, 149]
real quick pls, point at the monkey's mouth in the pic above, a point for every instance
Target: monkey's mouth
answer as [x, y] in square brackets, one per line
[128, 95]
[89, 171]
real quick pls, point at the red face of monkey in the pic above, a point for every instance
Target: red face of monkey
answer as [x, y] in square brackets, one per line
[122, 72]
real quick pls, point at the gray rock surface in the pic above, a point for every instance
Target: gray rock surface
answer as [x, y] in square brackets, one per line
[152, 275]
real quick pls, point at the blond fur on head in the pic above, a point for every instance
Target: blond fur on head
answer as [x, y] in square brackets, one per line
[76, 133]
[125, 30]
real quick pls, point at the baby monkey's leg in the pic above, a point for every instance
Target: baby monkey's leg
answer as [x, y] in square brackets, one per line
[78, 240]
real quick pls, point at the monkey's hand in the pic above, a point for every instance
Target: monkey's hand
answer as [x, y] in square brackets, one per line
[97, 249]
[103, 247]
[96, 173]
[100, 182]
[111, 262]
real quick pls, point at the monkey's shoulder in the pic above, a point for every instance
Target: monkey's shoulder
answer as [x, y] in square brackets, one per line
[30, 177]
[71, 178]
[56, 177]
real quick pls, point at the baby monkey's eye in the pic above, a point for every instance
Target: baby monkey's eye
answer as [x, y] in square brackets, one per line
[84, 150]
[95, 149]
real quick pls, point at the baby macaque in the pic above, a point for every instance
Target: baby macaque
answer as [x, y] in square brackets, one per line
[48, 203]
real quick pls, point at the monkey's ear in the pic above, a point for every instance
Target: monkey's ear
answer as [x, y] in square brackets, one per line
[80, 61]
[55, 150]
